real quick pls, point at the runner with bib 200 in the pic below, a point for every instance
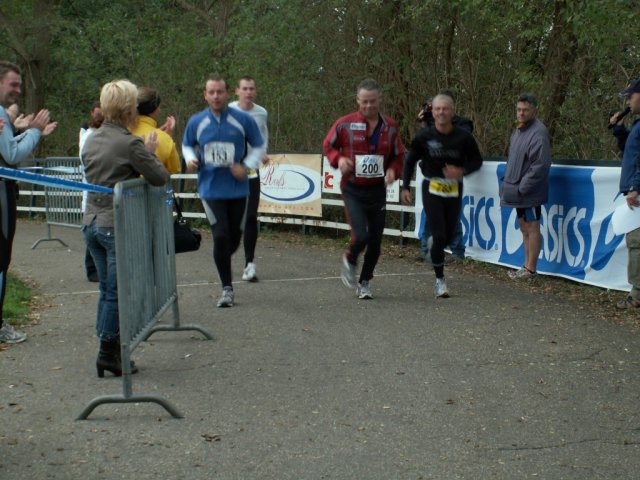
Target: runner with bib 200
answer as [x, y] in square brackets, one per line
[214, 145]
[365, 146]
[448, 153]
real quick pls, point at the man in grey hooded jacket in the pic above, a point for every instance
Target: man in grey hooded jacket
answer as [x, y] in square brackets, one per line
[526, 180]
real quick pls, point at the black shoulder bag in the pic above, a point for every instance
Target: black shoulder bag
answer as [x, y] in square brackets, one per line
[187, 239]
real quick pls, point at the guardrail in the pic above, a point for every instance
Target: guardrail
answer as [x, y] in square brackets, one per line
[406, 212]
[65, 209]
[62, 206]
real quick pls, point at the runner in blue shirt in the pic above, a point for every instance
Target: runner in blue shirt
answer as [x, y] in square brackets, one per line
[214, 145]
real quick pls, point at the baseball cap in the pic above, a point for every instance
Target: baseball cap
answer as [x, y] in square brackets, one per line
[633, 87]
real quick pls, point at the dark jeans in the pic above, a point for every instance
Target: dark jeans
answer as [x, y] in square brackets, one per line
[89, 264]
[365, 208]
[102, 245]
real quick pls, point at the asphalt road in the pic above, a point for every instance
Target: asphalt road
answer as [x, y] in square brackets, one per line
[305, 381]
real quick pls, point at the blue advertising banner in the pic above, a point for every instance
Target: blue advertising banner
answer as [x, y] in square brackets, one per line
[578, 241]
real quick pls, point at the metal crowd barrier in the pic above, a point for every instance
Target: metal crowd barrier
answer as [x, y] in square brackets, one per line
[146, 269]
[63, 207]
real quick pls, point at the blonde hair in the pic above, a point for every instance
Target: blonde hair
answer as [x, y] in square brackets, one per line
[118, 101]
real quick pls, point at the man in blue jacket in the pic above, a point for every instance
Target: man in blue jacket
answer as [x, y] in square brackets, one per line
[629, 143]
[214, 145]
[526, 180]
[13, 150]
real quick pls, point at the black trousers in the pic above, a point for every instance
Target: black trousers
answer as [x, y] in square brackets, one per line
[365, 208]
[8, 214]
[250, 237]
[227, 221]
[443, 214]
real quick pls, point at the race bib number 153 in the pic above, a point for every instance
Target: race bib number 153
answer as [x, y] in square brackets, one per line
[219, 154]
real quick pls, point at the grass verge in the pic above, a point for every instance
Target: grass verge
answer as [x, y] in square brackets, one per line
[17, 301]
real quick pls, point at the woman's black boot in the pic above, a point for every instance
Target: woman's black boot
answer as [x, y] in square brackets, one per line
[109, 359]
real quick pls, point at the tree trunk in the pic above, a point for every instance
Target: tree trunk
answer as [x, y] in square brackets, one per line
[558, 66]
[33, 61]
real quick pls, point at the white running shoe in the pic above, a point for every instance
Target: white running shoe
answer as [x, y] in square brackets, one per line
[441, 290]
[348, 273]
[226, 299]
[249, 274]
[513, 274]
[8, 334]
[364, 290]
[523, 272]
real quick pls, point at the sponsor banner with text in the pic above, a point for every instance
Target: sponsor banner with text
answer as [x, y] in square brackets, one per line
[291, 185]
[578, 241]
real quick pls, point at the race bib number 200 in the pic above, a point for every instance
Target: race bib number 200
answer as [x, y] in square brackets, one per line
[369, 166]
[219, 154]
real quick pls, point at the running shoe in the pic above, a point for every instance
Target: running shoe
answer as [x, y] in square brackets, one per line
[249, 274]
[348, 273]
[8, 334]
[628, 303]
[513, 274]
[364, 290]
[226, 299]
[523, 273]
[441, 290]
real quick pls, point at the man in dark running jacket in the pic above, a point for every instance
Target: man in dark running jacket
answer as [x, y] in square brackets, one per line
[447, 153]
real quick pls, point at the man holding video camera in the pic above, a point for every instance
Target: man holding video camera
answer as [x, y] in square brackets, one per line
[447, 153]
[629, 143]
[425, 117]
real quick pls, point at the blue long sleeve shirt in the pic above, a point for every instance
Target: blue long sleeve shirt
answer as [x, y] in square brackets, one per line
[14, 150]
[629, 143]
[217, 142]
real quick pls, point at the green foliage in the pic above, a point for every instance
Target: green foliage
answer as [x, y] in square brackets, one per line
[308, 57]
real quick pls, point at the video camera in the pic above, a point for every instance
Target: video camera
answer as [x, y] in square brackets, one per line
[427, 112]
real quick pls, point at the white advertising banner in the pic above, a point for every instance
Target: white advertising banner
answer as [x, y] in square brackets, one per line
[291, 184]
[331, 182]
[578, 241]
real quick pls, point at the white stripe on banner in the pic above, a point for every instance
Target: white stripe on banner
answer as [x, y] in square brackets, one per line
[46, 180]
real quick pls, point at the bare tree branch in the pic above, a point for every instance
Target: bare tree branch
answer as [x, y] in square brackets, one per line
[217, 21]
[15, 43]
